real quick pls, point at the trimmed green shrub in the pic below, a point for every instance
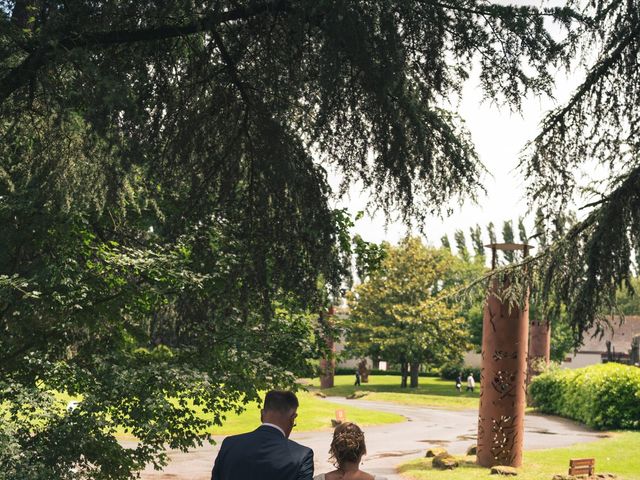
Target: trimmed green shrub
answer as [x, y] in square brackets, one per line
[605, 396]
[351, 371]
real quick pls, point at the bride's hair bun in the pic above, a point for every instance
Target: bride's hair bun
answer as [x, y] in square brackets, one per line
[347, 445]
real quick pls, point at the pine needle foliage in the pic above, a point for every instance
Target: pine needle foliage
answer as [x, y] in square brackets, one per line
[595, 131]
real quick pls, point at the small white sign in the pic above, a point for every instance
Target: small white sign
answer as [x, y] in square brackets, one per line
[382, 366]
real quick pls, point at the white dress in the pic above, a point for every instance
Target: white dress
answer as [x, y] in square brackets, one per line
[321, 477]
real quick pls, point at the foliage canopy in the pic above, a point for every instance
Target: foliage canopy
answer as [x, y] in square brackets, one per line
[164, 201]
[399, 313]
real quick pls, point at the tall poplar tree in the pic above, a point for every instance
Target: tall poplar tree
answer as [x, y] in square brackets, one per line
[461, 245]
[478, 244]
[491, 232]
[444, 241]
[508, 237]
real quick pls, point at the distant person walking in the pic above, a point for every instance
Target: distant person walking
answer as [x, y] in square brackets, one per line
[357, 377]
[459, 382]
[471, 383]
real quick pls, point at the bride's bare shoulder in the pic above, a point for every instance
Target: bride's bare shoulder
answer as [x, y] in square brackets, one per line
[334, 475]
[366, 476]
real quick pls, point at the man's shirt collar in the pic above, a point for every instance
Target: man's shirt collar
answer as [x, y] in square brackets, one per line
[276, 427]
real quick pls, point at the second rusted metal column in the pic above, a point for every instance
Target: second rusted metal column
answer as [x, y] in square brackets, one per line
[539, 347]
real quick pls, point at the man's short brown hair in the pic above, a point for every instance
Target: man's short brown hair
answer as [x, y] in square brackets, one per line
[280, 401]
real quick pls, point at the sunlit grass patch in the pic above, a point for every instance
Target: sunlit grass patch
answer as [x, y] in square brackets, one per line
[617, 455]
[313, 414]
[431, 391]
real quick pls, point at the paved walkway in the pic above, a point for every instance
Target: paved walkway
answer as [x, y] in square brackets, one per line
[389, 445]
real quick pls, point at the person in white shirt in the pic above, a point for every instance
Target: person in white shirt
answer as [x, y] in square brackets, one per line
[471, 383]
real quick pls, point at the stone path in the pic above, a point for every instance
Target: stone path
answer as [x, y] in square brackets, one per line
[389, 445]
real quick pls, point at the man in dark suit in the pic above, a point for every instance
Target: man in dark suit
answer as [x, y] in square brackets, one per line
[266, 453]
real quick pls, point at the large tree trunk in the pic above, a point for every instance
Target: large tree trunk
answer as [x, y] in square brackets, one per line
[364, 371]
[328, 366]
[404, 372]
[328, 361]
[415, 371]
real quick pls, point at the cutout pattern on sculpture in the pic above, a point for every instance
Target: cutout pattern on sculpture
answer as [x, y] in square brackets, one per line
[480, 431]
[504, 382]
[501, 355]
[491, 317]
[503, 439]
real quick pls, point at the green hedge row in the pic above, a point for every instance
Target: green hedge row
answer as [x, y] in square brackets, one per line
[352, 371]
[605, 396]
[450, 371]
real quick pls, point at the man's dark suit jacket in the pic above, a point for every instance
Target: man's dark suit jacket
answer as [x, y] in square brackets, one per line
[264, 454]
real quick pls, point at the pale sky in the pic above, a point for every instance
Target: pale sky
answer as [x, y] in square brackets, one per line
[499, 135]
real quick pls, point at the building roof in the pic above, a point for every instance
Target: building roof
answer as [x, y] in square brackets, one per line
[620, 336]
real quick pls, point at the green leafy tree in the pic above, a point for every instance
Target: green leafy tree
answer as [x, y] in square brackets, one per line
[368, 256]
[444, 241]
[540, 229]
[491, 232]
[478, 244]
[508, 237]
[627, 300]
[461, 245]
[470, 304]
[562, 341]
[474, 319]
[522, 231]
[400, 315]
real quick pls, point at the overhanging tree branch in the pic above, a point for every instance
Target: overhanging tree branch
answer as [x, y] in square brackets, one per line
[20, 75]
[594, 76]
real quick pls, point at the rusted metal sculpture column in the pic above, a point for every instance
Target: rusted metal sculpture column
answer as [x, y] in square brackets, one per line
[539, 347]
[328, 362]
[505, 337]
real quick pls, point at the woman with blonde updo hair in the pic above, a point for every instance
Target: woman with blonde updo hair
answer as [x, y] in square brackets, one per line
[347, 449]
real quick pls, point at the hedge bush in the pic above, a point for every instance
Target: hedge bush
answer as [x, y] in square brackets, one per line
[450, 371]
[605, 396]
[351, 371]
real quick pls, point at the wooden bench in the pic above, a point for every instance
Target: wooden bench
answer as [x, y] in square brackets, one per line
[582, 466]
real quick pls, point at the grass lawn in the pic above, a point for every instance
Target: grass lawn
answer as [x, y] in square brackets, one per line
[313, 414]
[617, 455]
[431, 392]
